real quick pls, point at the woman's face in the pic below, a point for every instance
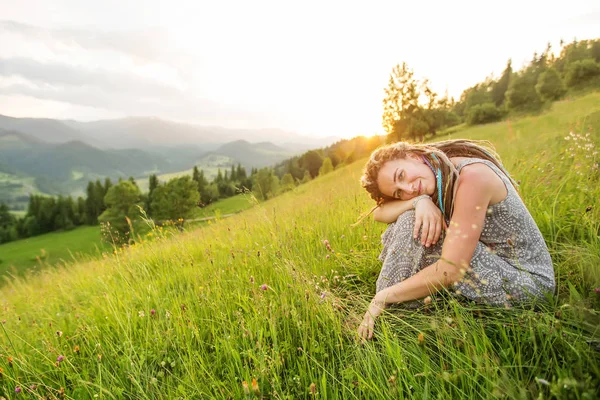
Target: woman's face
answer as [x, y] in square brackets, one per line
[406, 178]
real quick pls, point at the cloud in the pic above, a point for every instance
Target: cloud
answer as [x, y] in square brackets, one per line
[148, 45]
[112, 90]
[58, 74]
[79, 72]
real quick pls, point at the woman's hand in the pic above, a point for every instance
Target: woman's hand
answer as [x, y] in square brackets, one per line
[367, 326]
[429, 217]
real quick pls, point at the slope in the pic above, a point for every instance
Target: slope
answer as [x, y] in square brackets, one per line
[258, 298]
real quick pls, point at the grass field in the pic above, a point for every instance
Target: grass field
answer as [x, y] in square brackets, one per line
[255, 306]
[33, 254]
[226, 206]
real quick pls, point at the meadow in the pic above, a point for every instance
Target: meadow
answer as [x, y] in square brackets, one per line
[256, 306]
[33, 254]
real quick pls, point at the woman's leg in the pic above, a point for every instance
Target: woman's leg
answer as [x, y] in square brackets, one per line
[490, 278]
[402, 256]
[493, 280]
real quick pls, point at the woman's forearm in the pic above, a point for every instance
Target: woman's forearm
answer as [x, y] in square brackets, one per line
[389, 211]
[429, 280]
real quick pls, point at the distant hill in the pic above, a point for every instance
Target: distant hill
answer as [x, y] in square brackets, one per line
[61, 161]
[252, 155]
[142, 133]
[66, 168]
[14, 140]
[150, 132]
[47, 130]
[40, 155]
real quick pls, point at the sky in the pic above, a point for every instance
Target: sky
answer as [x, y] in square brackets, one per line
[318, 68]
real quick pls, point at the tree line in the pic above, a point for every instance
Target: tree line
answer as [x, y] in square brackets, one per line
[412, 110]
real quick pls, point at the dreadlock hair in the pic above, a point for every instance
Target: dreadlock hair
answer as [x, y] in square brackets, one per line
[438, 155]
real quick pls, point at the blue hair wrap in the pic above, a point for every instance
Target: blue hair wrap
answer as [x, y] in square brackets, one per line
[438, 176]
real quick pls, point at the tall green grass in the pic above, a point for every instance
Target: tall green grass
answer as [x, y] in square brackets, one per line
[257, 296]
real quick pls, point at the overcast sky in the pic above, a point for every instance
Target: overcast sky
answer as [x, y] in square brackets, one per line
[314, 67]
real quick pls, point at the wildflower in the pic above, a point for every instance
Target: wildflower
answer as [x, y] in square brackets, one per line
[60, 358]
[33, 387]
[76, 349]
[141, 314]
[167, 315]
[597, 290]
[323, 294]
[99, 357]
[153, 312]
[421, 338]
[59, 333]
[255, 387]
[327, 256]
[326, 242]
[18, 389]
[10, 361]
[312, 388]
[1, 372]
[245, 387]
[264, 286]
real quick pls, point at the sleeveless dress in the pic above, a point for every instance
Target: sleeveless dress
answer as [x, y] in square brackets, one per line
[510, 265]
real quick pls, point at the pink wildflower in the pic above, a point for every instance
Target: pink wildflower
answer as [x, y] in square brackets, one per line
[264, 286]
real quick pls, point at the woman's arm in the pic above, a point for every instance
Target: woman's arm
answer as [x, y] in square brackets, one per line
[390, 210]
[475, 189]
[427, 215]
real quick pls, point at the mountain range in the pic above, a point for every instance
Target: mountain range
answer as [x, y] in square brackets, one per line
[60, 156]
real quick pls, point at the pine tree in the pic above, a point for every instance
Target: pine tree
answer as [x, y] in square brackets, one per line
[327, 167]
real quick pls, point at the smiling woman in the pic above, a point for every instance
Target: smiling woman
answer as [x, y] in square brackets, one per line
[492, 253]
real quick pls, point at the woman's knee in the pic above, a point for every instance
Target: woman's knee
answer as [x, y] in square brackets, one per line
[405, 224]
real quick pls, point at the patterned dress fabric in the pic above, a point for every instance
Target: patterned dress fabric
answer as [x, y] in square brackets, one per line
[510, 265]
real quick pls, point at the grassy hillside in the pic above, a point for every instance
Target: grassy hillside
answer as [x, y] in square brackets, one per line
[258, 298]
[35, 253]
[15, 189]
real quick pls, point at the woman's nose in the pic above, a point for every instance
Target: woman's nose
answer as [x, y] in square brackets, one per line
[408, 188]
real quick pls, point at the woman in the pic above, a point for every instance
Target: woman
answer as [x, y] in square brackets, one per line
[492, 252]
